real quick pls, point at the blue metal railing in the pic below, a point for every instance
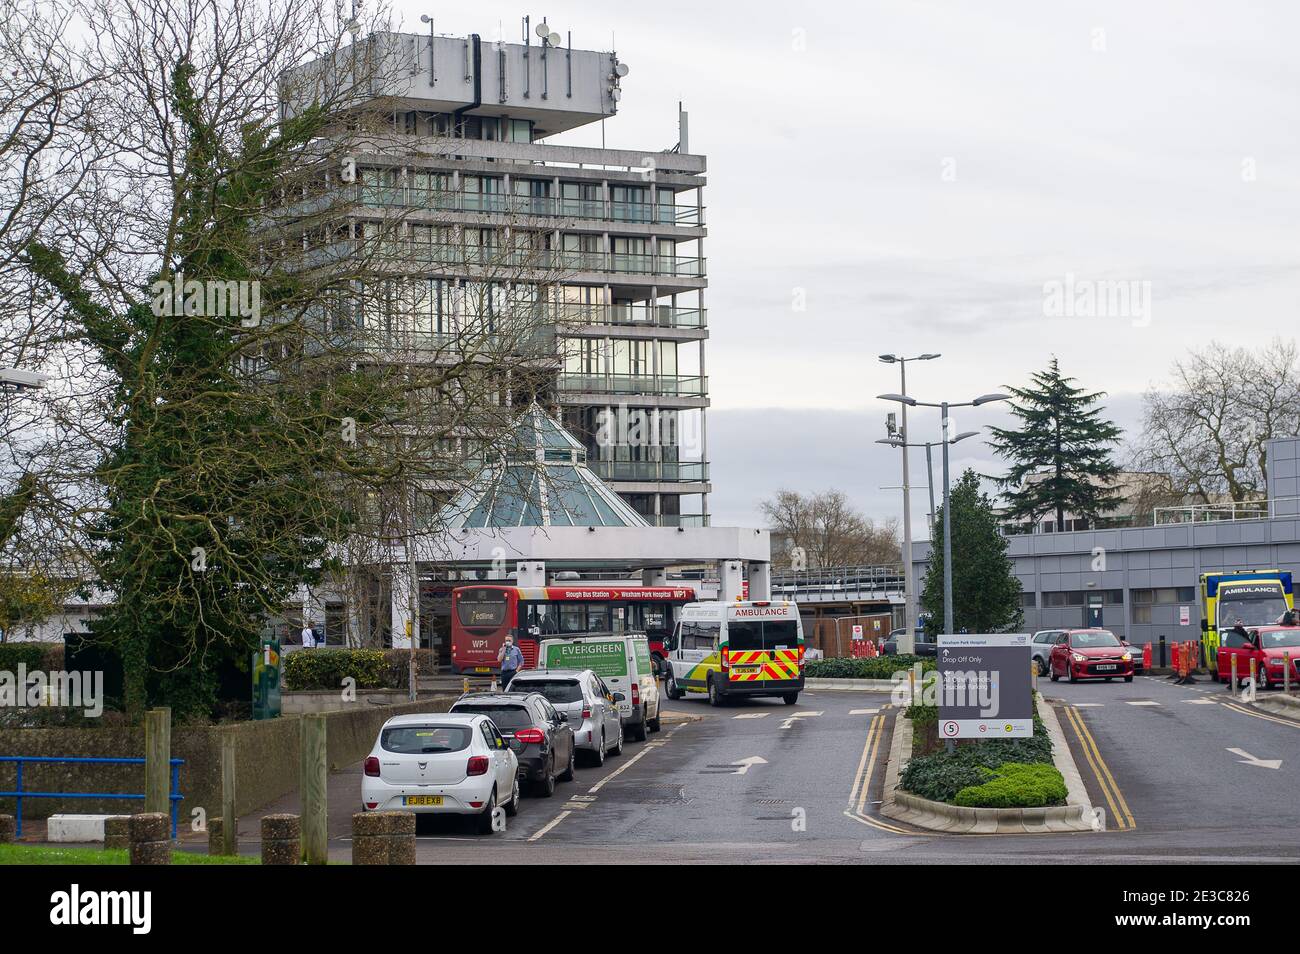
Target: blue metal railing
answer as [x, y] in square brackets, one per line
[19, 794]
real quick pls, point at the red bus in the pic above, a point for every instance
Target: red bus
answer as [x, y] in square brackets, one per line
[482, 615]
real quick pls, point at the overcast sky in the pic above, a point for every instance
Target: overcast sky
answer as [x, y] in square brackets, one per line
[921, 172]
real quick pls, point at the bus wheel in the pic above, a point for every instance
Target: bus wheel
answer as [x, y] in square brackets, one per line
[715, 695]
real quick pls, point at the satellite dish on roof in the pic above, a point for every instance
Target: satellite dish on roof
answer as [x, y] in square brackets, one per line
[542, 30]
[555, 39]
[622, 69]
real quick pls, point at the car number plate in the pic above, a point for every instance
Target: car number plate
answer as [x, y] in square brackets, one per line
[430, 800]
[482, 668]
[1106, 668]
[745, 670]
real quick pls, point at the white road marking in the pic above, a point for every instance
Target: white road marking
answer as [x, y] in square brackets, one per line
[746, 764]
[1248, 759]
[751, 715]
[1144, 702]
[1087, 705]
[793, 716]
[548, 826]
[619, 771]
[1201, 702]
[863, 711]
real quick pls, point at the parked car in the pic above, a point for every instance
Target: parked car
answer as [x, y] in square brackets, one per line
[924, 645]
[585, 700]
[540, 737]
[1276, 643]
[1040, 647]
[1089, 654]
[1139, 665]
[624, 665]
[441, 763]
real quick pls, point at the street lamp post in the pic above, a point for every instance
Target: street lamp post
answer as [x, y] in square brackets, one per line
[944, 408]
[907, 642]
[896, 442]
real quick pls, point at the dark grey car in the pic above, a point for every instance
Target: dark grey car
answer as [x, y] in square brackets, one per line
[540, 736]
[925, 646]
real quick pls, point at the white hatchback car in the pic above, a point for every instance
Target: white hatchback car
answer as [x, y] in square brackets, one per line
[441, 763]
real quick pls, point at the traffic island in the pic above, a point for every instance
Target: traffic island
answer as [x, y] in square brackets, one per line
[1278, 703]
[1075, 815]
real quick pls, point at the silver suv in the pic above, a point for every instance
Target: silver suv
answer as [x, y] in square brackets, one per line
[585, 700]
[1040, 647]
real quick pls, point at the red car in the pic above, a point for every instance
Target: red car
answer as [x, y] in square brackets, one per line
[1089, 654]
[1275, 644]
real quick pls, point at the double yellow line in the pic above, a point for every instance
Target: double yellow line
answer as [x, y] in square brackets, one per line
[1119, 809]
[1259, 715]
[857, 809]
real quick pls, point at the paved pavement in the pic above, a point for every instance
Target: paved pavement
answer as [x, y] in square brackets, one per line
[763, 782]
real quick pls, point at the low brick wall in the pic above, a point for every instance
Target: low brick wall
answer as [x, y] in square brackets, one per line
[266, 759]
[331, 700]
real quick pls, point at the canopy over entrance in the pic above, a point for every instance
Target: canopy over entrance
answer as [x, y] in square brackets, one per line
[540, 479]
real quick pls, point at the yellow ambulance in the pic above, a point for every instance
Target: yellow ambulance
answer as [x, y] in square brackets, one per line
[734, 650]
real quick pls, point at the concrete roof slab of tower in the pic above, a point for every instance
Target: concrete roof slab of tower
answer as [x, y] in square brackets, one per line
[556, 88]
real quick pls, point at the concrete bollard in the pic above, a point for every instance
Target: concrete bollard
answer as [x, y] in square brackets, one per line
[117, 833]
[8, 829]
[281, 840]
[383, 838]
[216, 827]
[401, 840]
[151, 839]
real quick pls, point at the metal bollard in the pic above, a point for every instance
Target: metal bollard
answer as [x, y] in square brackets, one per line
[1033, 676]
[117, 833]
[151, 839]
[1286, 671]
[1164, 657]
[281, 840]
[1232, 662]
[1254, 676]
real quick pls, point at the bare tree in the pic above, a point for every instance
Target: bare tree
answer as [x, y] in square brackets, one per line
[1209, 431]
[829, 530]
[204, 463]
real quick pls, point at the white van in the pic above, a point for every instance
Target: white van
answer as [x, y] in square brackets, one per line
[737, 649]
[623, 662]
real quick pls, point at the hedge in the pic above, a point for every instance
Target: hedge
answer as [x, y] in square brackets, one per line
[46, 657]
[876, 667]
[309, 669]
[940, 776]
[1015, 785]
[325, 668]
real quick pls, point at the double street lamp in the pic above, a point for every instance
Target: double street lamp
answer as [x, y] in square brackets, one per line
[944, 407]
[907, 642]
[897, 441]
